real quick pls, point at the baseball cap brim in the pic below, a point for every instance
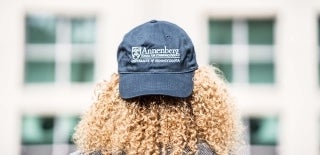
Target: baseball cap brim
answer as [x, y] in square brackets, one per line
[170, 84]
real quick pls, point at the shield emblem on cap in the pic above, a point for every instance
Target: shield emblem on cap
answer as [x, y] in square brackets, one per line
[136, 52]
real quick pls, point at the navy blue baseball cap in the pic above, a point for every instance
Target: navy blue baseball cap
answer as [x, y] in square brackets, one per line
[156, 58]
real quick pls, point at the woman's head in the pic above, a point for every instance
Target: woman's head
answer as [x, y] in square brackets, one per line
[160, 124]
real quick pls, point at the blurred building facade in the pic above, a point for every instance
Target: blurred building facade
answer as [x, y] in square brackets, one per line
[53, 52]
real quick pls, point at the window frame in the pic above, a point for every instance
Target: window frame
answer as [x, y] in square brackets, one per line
[63, 49]
[241, 61]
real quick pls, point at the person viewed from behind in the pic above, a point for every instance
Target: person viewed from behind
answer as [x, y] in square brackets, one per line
[160, 101]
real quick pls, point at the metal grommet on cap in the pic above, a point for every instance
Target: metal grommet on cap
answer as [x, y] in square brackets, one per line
[153, 21]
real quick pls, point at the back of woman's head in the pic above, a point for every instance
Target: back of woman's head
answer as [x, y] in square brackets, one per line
[161, 124]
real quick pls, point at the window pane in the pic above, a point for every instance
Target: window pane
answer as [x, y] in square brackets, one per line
[261, 73]
[72, 123]
[37, 130]
[39, 72]
[226, 69]
[263, 131]
[261, 32]
[40, 134]
[82, 65]
[83, 30]
[64, 129]
[40, 29]
[261, 66]
[82, 71]
[220, 31]
[262, 135]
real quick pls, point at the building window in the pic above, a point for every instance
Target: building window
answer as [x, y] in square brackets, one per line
[47, 134]
[243, 49]
[262, 135]
[59, 49]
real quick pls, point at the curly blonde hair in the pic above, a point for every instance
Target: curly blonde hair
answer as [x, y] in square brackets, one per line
[161, 124]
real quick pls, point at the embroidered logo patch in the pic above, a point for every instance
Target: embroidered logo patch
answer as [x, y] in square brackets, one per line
[157, 55]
